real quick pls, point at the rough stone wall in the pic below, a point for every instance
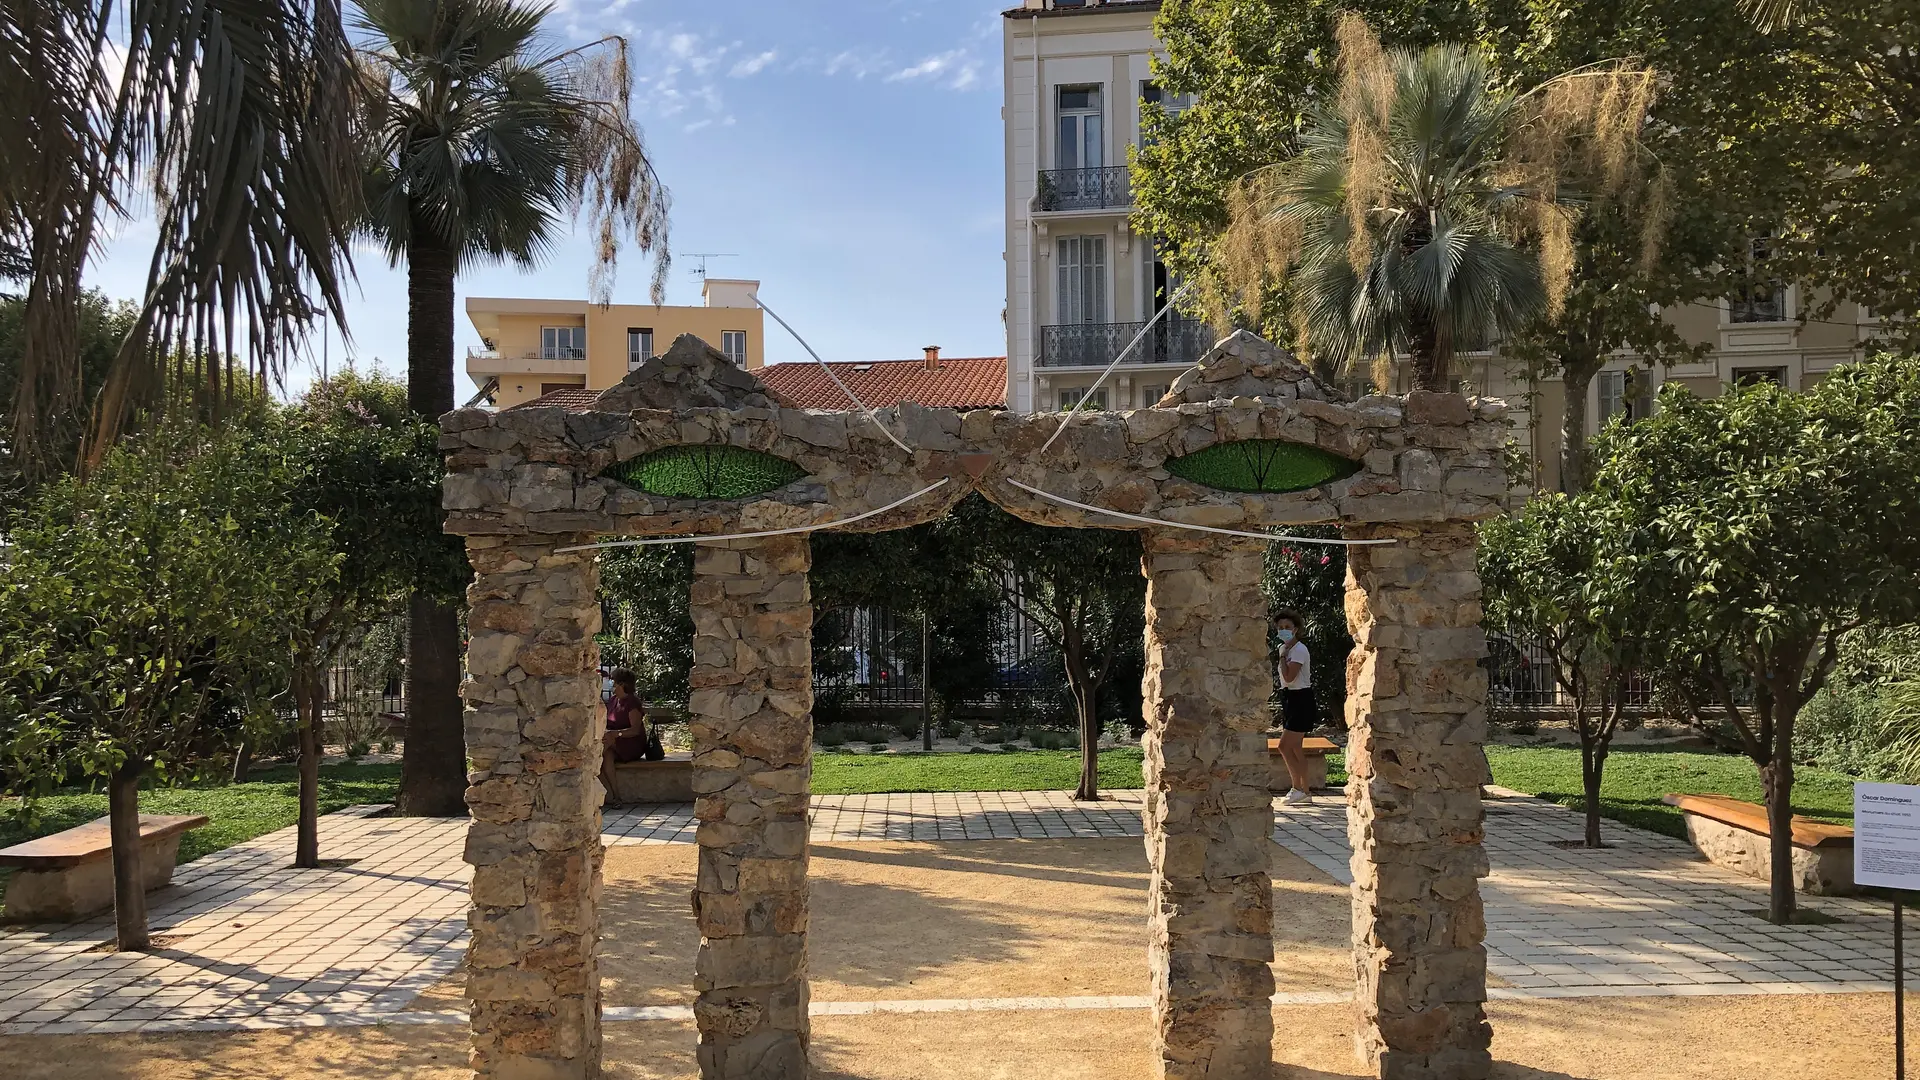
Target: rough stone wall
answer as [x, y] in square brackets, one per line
[1209, 816]
[750, 714]
[1416, 710]
[533, 740]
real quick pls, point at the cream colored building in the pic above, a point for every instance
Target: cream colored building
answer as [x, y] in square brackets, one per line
[1772, 336]
[533, 347]
[1081, 281]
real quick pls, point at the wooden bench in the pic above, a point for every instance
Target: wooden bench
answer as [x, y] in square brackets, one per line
[1735, 834]
[669, 780]
[69, 875]
[1316, 749]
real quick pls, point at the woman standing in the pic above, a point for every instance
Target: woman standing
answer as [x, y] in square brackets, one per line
[1299, 713]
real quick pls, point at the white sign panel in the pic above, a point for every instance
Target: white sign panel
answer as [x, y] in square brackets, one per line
[1886, 835]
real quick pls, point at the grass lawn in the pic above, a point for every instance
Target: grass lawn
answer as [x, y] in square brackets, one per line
[238, 812]
[1015, 770]
[1637, 777]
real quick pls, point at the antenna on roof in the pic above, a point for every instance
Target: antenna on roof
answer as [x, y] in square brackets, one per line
[700, 271]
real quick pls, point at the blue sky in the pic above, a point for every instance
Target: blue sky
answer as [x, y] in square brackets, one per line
[849, 151]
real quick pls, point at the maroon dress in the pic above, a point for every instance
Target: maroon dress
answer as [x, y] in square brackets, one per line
[626, 717]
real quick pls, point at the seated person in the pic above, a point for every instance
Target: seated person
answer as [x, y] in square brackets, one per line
[626, 735]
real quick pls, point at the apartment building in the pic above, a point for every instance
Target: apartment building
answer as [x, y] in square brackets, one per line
[1080, 282]
[536, 347]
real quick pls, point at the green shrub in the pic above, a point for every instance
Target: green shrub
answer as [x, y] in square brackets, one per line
[830, 735]
[908, 729]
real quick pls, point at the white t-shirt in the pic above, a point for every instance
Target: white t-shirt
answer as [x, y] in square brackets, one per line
[1298, 654]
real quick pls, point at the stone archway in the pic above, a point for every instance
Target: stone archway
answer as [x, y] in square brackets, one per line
[525, 486]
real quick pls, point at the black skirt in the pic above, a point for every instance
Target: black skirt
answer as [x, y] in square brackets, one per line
[1298, 711]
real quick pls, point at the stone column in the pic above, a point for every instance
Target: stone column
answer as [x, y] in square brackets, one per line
[533, 742]
[1416, 710]
[750, 711]
[1209, 814]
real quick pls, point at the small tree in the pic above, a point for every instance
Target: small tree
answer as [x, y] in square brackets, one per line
[1081, 588]
[132, 601]
[366, 475]
[1545, 574]
[1755, 530]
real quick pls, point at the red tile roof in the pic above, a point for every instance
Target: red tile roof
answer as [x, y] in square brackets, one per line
[576, 398]
[960, 383]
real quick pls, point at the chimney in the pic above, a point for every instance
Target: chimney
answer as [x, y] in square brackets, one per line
[933, 357]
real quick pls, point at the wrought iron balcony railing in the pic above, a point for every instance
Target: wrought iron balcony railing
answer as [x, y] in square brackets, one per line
[1084, 189]
[1173, 340]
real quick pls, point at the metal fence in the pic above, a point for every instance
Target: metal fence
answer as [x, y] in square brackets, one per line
[1521, 674]
[1084, 189]
[1177, 339]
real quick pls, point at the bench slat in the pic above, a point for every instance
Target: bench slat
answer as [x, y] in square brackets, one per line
[1314, 745]
[84, 843]
[1753, 818]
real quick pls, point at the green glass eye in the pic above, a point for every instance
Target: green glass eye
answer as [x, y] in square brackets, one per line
[706, 472]
[1268, 466]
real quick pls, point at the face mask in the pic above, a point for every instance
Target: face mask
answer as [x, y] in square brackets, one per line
[1286, 636]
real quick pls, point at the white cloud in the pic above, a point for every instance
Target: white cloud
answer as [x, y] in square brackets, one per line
[753, 65]
[956, 70]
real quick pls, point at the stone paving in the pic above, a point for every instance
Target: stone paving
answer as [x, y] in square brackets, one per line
[246, 942]
[1646, 916]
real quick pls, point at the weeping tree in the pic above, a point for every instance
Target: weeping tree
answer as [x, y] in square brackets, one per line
[234, 119]
[483, 141]
[1428, 211]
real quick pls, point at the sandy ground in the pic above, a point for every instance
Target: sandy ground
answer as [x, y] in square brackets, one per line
[1744, 1038]
[985, 918]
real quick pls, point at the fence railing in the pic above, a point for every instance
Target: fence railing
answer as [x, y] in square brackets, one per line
[1176, 339]
[1521, 674]
[1084, 189]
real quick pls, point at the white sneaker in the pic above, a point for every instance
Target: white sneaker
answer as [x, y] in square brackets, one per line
[1296, 797]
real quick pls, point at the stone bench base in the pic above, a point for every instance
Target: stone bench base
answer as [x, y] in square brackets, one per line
[1823, 871]
[76, 892]
[666, 781]
[1316, 749]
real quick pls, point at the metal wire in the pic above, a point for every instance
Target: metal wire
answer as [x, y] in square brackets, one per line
[897, 503]
[1171, 303]
[824, 366]
[1064, 501]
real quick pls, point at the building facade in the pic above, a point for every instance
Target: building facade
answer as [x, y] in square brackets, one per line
[1081, 282]
[535, 347]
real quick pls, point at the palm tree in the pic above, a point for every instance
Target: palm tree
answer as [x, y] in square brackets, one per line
[232, 120]
[484, 140]
[1427, 211]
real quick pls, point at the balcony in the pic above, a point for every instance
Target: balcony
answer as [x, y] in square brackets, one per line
[1084, 189]
[1176, 339]
[483, 361]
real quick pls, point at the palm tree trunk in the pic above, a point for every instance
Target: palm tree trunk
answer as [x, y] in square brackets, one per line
[1429, 365]
[129, 877]
[433, 766]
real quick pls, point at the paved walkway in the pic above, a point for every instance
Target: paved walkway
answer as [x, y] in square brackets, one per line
[243, 941]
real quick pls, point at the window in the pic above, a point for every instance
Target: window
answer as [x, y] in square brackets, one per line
[734, 344]
[1080, 144]
[639, 345]
[1760, 300]
[563, 343]
[1622, 393]
[1753, 376]
[1171, 104]
[1072, 396]
[1082, 267]
[1151, 394]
